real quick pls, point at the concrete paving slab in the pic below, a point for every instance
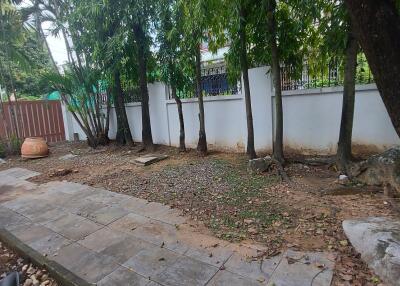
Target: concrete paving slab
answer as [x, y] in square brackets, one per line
[87, 264]
[153, 210]
[129, 222]
[226, 278]
[19, 173]
[160, 233]
[47, 216]
[303, 269]
[150, 262]
[59, 221]
[170, 216]
[255, 270]
[186, 271]
[73, 227]
[107, 214]
[101, 239]
[123, 277]
[149, 159]
[215, 256]
[123, 250]
[131, 204]
[50, 244]
[67, 157]
[10, 219]
[32, 233]
[82, 207]
[11, 188]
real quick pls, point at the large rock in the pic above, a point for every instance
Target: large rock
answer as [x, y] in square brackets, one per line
[380, 170]
[378, 241]
[259, 165]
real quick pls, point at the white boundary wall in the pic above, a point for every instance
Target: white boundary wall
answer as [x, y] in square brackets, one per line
[311, 118]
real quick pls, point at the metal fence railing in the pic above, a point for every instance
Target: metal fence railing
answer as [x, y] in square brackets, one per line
[214, 82]
[329, 75]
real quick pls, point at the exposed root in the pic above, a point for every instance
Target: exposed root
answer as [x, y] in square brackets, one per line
[281, 171]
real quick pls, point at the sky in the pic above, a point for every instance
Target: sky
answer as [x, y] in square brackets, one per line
[57, 46]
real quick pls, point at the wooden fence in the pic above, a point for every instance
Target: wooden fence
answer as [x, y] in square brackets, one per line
[38, 118]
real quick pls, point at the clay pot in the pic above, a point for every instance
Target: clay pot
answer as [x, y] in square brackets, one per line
[34, 147]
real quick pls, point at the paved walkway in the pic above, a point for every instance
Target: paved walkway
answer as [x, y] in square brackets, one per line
[113, 239]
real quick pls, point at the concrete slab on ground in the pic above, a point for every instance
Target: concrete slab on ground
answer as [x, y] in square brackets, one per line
[149, 159]
[113, 239]
[20, 173]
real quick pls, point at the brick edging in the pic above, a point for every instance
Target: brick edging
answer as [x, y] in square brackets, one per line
[62, 275]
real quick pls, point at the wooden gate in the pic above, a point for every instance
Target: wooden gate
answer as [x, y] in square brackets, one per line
[39, 118]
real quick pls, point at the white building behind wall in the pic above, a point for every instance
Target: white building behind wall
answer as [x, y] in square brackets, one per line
[311, 118]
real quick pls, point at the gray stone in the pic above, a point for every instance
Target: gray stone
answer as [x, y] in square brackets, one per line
[150, 262]
[186, 271]
[226, 278]
[380, 170]
[259, 165]
[378, 241]
[2, 161]
[123, 277]
[304, 269]
[149, 159]
[67, 157]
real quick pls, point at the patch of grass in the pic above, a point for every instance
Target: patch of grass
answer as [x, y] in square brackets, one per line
[242, 185]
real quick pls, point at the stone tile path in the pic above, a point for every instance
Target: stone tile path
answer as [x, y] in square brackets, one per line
[113, 239]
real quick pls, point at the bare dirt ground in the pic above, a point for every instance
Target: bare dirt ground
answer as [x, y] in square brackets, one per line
[217, 191]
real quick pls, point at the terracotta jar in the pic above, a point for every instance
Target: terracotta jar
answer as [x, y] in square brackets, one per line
[34, 147]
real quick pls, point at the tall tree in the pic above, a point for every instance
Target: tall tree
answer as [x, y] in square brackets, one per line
[337, 44]
[276, 79]
[101, 43]
[377, 26]
[139, 17]
[196, 23]
[172, 57]
[344, 153]
[237, 21]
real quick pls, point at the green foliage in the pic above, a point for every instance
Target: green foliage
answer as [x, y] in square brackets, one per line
[175, 60]
[22, 59]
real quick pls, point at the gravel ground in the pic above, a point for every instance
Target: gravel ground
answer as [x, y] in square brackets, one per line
[218, 192]
[31, 275]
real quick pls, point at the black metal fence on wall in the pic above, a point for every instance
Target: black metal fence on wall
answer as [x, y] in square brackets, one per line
[329, 75]
[214, 82]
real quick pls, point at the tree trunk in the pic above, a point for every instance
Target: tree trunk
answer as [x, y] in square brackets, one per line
[276, 78]
[182, 146]
[245, 71]
[147, 137]
[377, 26]
[124, 135]
[344, 155]
[202, 144]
